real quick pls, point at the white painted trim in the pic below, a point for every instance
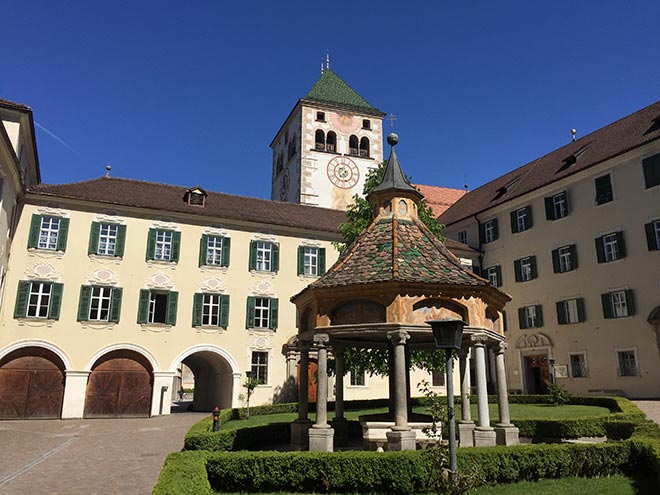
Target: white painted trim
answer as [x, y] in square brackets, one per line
[122, 346]
[38, 343]
[206, 348]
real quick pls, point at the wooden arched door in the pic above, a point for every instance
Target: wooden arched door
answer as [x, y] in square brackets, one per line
[120, 385]
[31, 385]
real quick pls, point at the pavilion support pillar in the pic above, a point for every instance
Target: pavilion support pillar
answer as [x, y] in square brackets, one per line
[484, 434]
[321, 434]
[401, 437]
[300, 427]
[339, 423]
[391, 379]
[506, 433]
[465, 425]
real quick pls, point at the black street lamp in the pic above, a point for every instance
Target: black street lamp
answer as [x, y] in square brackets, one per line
[447, 334]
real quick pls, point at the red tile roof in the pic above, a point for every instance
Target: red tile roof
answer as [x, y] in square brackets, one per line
[614, 139]
[440, 198]
[169, 198]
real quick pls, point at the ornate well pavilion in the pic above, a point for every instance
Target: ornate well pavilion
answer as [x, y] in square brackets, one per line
[396, 276]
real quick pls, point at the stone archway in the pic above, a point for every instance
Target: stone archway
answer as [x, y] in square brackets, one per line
[215, 372]
[120, 385]
[31, 384]
[535, 350]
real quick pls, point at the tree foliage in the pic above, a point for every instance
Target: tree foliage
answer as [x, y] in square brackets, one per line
[360, 215]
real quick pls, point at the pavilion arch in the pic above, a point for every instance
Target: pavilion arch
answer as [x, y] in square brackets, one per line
[358, 311]
[306, 320]
[38, 343]
[216, 373]
[441, 303]
[125, 346]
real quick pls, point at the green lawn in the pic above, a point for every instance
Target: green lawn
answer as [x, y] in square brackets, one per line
[518, 411]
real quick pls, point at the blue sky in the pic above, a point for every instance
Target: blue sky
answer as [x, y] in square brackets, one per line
[193, 92]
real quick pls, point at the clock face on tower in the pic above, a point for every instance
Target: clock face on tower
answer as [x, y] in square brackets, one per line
[343, 172]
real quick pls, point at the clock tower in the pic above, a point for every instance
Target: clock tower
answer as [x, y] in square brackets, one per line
[329, 141]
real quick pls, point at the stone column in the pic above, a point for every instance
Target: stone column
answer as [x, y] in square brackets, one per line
[301, 426]
[161, 401]
[484, 434]
[506, 433]
[321, 434]
[75, 389]
[465, 425]
[339, 423]
[401, 437]
[291, 368]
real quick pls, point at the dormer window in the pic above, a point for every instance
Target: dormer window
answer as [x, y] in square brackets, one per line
[195, 197]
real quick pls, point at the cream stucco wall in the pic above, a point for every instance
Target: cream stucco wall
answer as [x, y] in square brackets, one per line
[597, 337]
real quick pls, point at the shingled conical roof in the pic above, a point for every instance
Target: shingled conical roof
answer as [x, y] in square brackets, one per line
[331, 89]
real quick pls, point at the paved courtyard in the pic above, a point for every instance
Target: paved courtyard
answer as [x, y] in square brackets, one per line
[86, 457]
[651, 408]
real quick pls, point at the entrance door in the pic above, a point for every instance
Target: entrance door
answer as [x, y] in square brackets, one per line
[31, 386]
[119, 387]
[537, 374]
[311, 380]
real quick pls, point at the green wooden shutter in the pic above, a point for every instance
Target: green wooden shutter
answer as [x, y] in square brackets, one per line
[514, 222]
[151, 245]
[321, 261]
[83, 302]
[226, 251]
[534, 269]
[55, 302]
[301, 260]
[574, 258]
[22, 296]
[274, 257]
[504, 322]
[550, 208]
[93, 246]
[651, 166]
[498, 274]
[580, 309]
[253, 255]
[651, 239]
[539, 315]
[203, 249]
[600, 250]
[530, 217]
[517, 268]
[121, 240]
[62, 234]
[630, 302]
[172, 302]
[556, 267]
[249, 314]
[115, 305]
[35, 230]
[608, 311]
[198, 308]
[176, 246]
[522, 318]
[496, 229]
[561, 313]
[273, 314]
[224, 310]
[482, 233]
[621, 244]
[143, 306]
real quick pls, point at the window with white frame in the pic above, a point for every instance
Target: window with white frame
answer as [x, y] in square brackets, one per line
[107, 239]
[260, 367]
[559, 205]
[463, 237]
[50, 227]
[619, 304]
[578, 365]
[211, 310]
[494, 275]
[570, 311]
[610, 244]
[656, 228]
[627, 362]
[157, 307]
[99, 304]
[564, 254]
[653, 235]
[261, 312]
[39, 300]
[530, 316]
[163, 251]
[490, 231]
[526, 269]
[311, 260]
[357, 379]
[264, 252]
[214, 250]
[521, 219]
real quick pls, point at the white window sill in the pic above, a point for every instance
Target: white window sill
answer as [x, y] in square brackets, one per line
[35, 321]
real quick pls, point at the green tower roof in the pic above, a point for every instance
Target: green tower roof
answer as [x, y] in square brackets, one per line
[330, 88]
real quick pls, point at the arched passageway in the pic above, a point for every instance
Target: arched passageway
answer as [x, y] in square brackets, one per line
[120, 385]
[213, 380]
[31, 384]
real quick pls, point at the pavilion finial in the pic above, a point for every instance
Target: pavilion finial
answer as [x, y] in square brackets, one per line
[327, 59]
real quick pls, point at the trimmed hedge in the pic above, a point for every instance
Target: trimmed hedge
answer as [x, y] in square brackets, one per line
[254, 438]
[184, 472]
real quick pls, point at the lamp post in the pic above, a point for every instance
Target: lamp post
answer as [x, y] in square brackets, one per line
[447, 334]
[551, 362]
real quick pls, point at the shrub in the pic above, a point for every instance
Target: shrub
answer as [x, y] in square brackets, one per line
[184, 472]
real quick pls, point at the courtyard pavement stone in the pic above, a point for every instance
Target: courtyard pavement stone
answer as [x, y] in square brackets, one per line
[651, 408]
[88, 456]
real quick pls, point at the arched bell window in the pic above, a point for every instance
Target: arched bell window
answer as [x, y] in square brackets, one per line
[331, 142]
[364, 147]
[353, 146]
[319, 140]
